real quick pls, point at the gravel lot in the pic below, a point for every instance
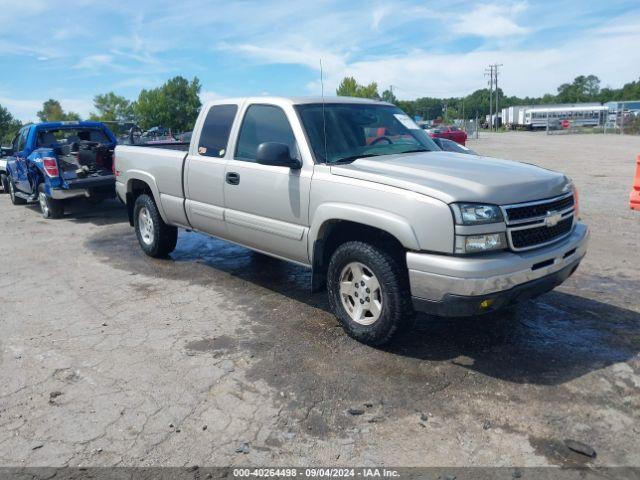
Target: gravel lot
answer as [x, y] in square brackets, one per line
[221, 356]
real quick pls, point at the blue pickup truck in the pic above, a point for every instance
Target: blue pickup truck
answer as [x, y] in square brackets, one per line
[54, 161]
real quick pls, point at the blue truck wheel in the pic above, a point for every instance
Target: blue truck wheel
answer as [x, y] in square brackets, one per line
[12, 193]
[49, 207]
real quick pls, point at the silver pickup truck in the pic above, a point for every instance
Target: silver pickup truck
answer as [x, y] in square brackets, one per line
[354, 190]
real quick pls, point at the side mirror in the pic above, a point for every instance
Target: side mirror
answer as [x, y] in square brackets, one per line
[278, 154]
[4, 151]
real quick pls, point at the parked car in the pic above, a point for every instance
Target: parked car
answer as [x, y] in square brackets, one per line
[54, 161]
[354, 190]
[157, 134]
[450, 133]
[185, 137]
[451, 146]
[4, 182]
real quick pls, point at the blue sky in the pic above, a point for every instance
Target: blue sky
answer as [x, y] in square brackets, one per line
[72, 50]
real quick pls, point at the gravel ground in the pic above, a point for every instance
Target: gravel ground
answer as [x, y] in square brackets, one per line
[221, 356]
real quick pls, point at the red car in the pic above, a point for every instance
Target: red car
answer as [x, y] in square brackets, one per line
[450, 133]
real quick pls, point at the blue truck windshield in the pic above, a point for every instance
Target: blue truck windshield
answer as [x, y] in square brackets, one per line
[360, 130]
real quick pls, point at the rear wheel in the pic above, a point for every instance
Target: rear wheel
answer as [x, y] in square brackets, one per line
[49, 207]
[4, 180]
[368, 292]
[95, 200]
[12, 193]
[156, 238]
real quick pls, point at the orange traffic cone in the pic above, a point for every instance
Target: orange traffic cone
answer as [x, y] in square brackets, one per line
[634, 198]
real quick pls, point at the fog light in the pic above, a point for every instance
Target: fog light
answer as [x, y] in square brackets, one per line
[480, 243]
[486, 303]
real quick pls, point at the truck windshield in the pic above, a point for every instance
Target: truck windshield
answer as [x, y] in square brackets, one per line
[361, 130]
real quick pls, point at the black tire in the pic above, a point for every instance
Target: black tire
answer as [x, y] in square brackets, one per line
[394, 292]
[12, 194]
[164, 237]
[4, 181]
[94, 200]
[49, 207]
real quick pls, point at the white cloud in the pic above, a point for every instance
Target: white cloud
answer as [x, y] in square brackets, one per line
[294, 52]
[10, 9]
[492, 20]
[94, 62]
[379, 13]
[525, 72]
[208, 96]
[23, 110]
[26, 109]
[609, 52]
[137, 82]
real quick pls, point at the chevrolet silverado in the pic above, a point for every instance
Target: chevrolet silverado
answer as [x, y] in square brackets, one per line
[354, 190]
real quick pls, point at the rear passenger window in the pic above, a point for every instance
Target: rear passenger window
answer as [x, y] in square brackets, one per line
[264, 123]
[215, 131]
[22, 140]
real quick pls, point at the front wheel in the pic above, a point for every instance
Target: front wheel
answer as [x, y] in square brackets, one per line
[49, 207]
[156, 238]
[12, 194]
[368, 292]
[4, 180]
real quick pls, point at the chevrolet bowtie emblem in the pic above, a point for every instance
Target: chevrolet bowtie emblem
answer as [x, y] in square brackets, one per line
[552, 219]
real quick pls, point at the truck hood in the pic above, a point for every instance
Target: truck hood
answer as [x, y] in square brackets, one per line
[458, 177]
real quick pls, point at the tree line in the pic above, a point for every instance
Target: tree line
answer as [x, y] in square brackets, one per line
[176, 103]
[582, 89]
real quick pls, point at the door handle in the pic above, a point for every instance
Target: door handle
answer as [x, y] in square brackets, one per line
[233, 178]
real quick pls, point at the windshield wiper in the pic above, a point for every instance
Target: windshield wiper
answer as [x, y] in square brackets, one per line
[417, 150]
[353, 158]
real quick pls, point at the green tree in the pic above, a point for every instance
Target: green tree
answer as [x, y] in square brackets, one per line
[583, 89]
[388, 96]
[175, 105]
[8, 125]
[349, 87]
[52, 112]
[112, 108]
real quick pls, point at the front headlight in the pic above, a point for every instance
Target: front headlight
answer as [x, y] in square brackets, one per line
[476, 213]
[480, 243]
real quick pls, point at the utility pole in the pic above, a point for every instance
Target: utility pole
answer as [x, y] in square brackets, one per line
[495, 74]
[464, 121]
[492, 73]
[489, 73]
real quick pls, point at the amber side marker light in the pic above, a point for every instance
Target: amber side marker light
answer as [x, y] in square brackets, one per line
[486, 303]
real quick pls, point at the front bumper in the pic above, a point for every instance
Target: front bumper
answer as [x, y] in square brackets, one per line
[457, 285]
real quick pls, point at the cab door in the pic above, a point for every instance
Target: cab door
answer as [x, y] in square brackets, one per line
[267, 206]
[20, 154]
[205, 170]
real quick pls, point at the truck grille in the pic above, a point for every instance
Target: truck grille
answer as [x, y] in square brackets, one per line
[534, 224]
[538, 210]
[536, 236]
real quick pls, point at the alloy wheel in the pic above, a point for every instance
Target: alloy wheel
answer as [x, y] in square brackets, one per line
[145, 226]
[360, 293]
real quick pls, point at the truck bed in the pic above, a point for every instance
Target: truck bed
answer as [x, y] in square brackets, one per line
[164, 162]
